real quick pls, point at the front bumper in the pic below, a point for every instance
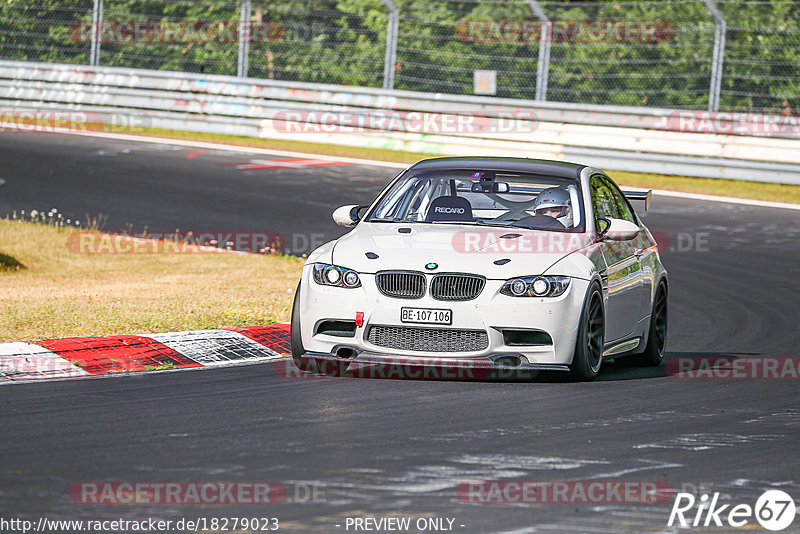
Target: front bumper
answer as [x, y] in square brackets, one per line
[491, 313]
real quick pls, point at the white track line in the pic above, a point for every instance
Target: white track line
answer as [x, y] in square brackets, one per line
[388, 164]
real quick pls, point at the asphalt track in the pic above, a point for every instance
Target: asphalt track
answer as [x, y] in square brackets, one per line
[376, 447]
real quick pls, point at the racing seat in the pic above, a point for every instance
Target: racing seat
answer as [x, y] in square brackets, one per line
[449, 208]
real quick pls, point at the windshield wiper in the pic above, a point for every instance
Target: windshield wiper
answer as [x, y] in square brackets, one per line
[398, 221]
[498, 225]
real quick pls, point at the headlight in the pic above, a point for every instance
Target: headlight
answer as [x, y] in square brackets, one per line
[351, 279]
[536, 286]
[518, 287]
[332, 275]
[540, 286]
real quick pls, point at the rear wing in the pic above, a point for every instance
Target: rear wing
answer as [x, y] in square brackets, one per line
[645, 195]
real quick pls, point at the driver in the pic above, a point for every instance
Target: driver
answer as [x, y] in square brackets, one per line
[555, 202]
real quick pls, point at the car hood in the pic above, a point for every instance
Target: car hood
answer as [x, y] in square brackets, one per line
[454, 248]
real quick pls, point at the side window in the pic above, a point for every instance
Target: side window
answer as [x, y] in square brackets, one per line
[602, 199]
[621, 203]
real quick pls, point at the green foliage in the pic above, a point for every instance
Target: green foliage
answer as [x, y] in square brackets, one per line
[189, 54]
[442, 43]
[39, 30]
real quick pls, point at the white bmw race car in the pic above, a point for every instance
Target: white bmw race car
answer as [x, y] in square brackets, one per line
[493, 263]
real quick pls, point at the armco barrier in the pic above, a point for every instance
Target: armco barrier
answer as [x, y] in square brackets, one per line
[616, 138]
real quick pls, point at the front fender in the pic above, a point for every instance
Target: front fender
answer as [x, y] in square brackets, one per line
[322, 254]
[585, 266]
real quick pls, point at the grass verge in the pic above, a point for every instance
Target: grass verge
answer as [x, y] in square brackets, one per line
[686, 184]
[51, 292]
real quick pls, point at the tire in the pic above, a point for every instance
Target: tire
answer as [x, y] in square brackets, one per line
[298, 351]
[657, 335]
[303, 363]
[591, 334]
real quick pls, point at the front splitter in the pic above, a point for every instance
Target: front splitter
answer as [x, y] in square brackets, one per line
[371, 365]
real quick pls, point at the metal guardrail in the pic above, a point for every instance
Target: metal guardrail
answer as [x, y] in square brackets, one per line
[616, 138]
[635, 117]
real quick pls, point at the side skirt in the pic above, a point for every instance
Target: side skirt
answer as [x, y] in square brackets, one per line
[620, 348]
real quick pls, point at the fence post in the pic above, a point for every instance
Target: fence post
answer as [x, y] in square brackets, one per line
[543, 66]
[718, 58]
[391, 44]
[244, 39]
[97, 33]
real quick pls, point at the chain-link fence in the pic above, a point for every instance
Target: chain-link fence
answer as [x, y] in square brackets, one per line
[762, 56]
[439, 49]
[176, 35]
[694, 54]
[632, 54]
[323, 42]
[40, 31]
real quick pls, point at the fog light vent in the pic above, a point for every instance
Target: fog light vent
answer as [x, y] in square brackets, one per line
[516, 338]
[337, 328]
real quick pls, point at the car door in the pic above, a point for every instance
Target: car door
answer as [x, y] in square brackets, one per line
[624, 270]
[641, 246]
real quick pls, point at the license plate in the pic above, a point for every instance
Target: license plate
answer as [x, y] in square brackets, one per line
[426, 316]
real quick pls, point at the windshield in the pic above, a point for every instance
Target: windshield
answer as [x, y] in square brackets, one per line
[483, 198]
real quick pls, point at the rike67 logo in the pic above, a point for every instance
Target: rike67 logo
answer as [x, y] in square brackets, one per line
[774, 510]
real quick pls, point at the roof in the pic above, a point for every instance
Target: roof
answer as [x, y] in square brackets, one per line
[560, 169]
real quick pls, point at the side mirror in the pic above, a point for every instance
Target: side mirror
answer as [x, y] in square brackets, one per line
[347, 216]
[618, 229]
[602, 225]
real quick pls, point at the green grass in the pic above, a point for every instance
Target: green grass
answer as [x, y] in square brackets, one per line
[64, 293]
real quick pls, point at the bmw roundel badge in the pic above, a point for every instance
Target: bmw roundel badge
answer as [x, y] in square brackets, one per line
[431, 266]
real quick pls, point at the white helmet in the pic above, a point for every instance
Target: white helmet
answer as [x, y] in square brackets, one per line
[555, 202]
